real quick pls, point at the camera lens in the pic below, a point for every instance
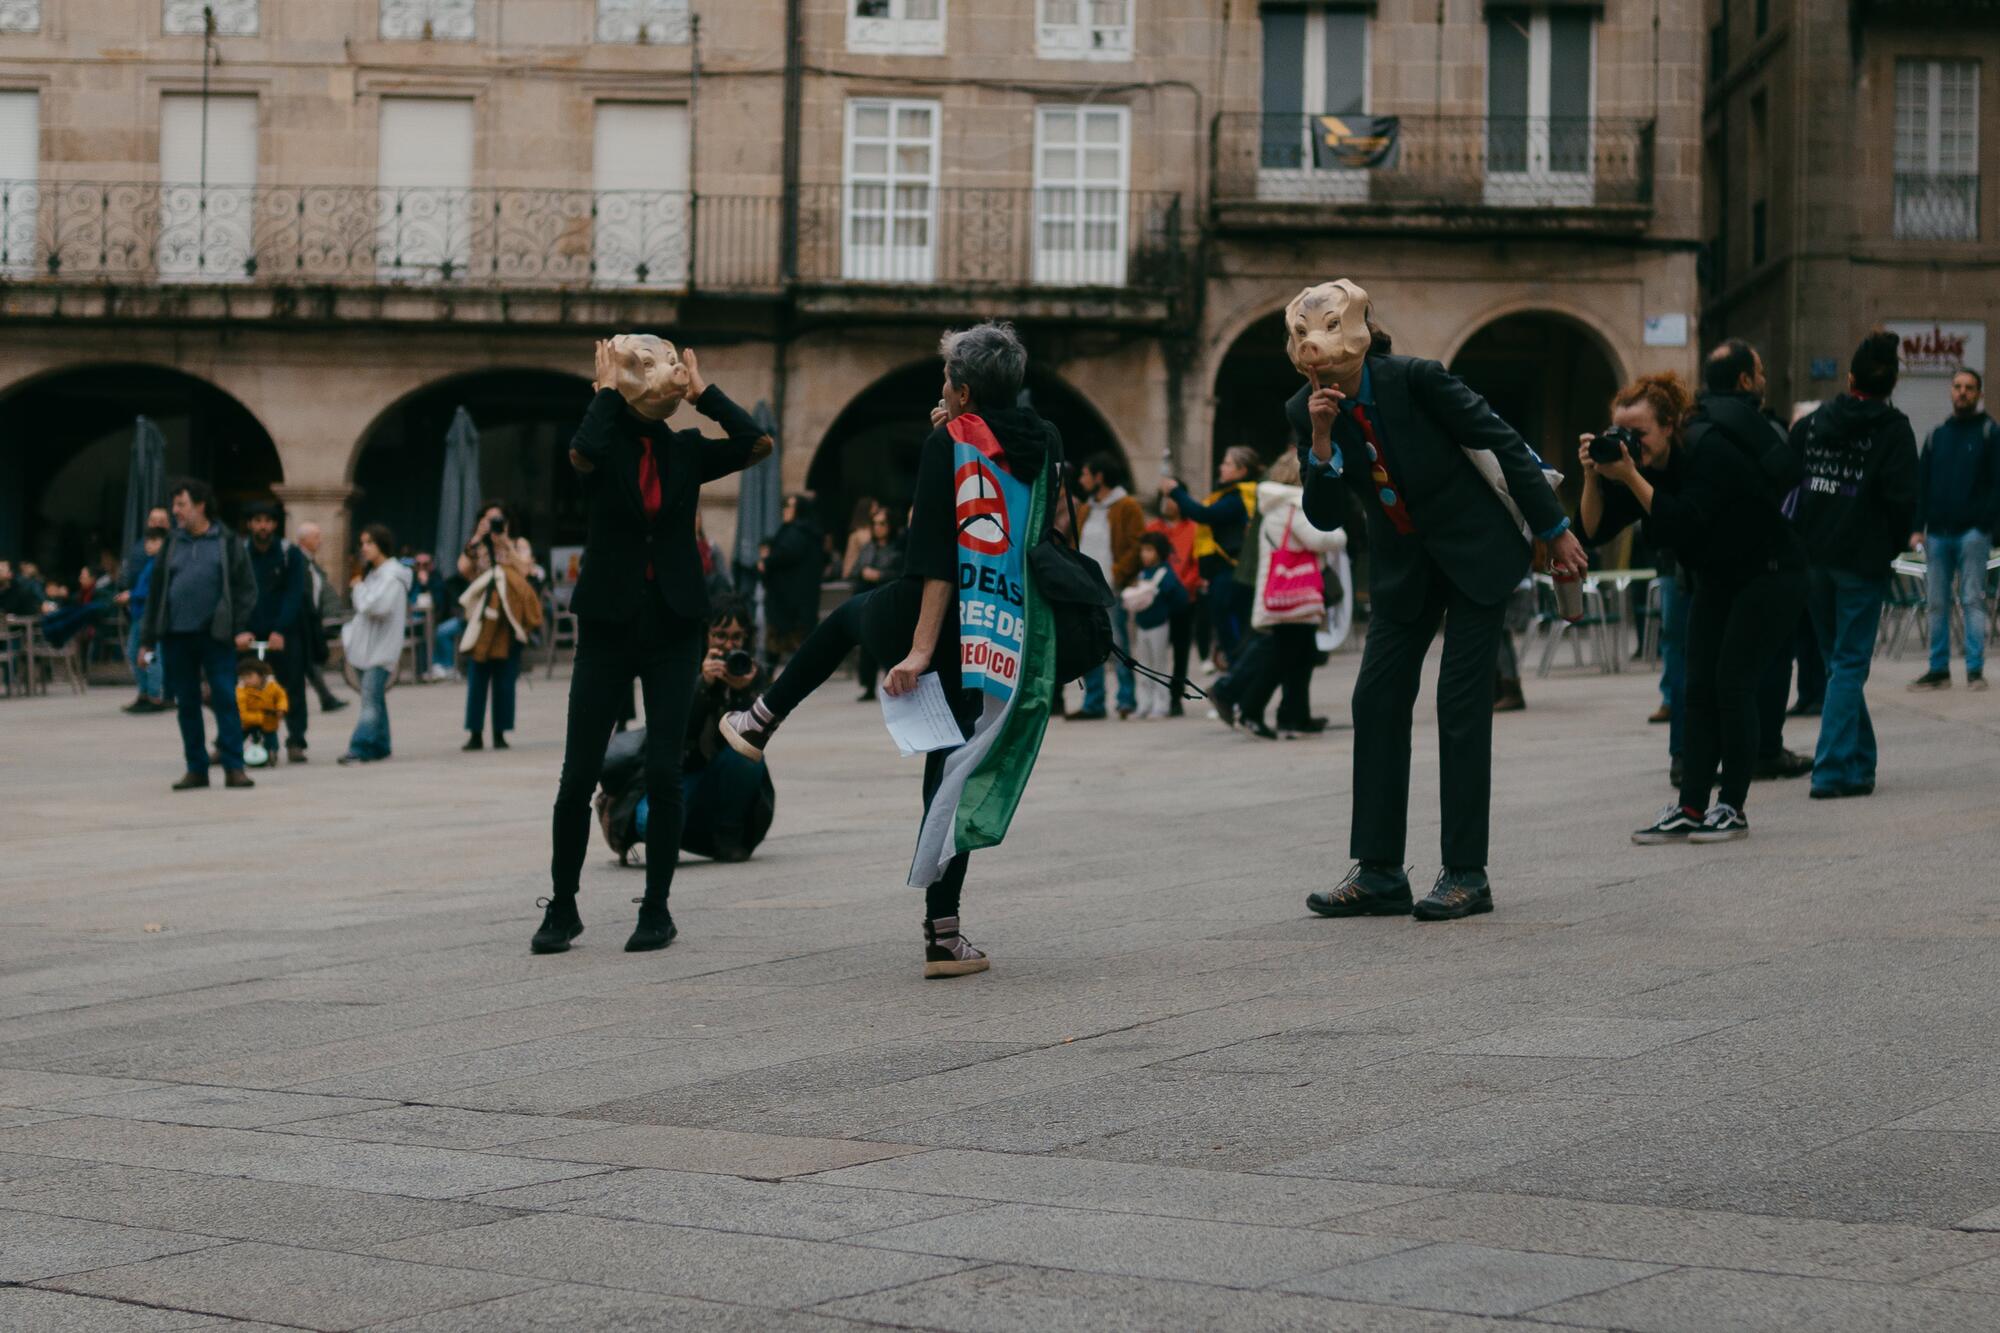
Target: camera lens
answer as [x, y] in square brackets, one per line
[739, 663]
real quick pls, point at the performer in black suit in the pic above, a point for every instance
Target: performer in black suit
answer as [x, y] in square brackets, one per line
[1394, 432]
[641, 603]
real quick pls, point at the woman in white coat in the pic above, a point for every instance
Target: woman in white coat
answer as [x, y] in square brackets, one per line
[372, 642]
[1289, 604]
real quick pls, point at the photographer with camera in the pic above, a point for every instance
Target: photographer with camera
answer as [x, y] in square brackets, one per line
[501, 609]
[1710, 500]
[728, 800]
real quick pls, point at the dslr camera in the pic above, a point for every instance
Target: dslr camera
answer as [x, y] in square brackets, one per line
[1606, 448]
[738, 663]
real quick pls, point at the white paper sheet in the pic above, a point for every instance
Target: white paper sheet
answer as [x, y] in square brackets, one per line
[921, 720]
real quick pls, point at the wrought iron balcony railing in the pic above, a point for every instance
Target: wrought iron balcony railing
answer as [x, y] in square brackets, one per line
[1433, 162]
[329, 235]
[1936, 208]
[1052, 236]
[346, 235]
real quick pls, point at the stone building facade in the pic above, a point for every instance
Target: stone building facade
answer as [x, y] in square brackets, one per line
[302, 241]
[1845, 146]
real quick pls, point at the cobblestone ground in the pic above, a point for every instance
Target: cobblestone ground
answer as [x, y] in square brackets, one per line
[281, 1058]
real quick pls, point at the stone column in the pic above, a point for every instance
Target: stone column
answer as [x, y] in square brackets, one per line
[330, 507]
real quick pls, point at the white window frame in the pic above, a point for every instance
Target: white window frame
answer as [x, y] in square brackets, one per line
[895, 33]
[1080, 36]
[20, 15]
[643, 22]
[208, 230]
[1944, 218]
[889, 261]
[1310, 181]
[639, 224]
[1075, 206]
[233, 18]
[21, 196]
[1539, 186]
[428, 20]
[424, 232]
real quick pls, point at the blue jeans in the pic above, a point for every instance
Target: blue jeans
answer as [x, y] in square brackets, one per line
[1674, 603]
[149, 677]
[1846, 611]
[1964, 554]
[185, 659]
[446, 654]
[1093, 680]
[499, 677]
[371, 730]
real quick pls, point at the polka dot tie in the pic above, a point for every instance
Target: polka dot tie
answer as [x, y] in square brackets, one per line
[1378, 472]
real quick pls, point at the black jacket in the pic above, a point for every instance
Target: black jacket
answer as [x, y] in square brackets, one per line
[1958, 477]
[1859, 503]
[280, 571]
[620, 543]
[232, 609]
[1713, 507]
[793, 569]
[1427, 418]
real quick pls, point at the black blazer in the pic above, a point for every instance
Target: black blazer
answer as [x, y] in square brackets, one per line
[1428, 418]
[621, 543]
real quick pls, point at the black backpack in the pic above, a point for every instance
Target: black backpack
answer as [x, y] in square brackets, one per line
[1075, 589]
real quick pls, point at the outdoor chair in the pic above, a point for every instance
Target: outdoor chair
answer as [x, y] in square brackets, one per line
[1595, 629]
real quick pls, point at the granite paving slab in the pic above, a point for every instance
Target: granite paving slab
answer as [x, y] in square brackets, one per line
[673, 1148]
[682, 1261]
[316, 1289]
[1472, 1279]
[442, 1127]
[35, 1245]
[1701, 1300]
[31, 1310]
[222, 1108]
[571, 1308]
[307, 1216]
[34, 1087]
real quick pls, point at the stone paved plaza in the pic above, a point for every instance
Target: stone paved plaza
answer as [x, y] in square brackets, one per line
[282, 1059]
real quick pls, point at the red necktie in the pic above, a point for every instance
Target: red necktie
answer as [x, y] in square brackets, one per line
[1378, 471]
[649, 488]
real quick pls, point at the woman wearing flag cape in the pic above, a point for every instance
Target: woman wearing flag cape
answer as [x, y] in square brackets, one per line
[965, 608]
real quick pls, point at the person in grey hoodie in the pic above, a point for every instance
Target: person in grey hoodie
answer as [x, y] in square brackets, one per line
[373, 641]
[1855, 514]
[197, 619]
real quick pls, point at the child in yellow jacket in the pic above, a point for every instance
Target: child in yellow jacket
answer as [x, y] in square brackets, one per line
[260, 700]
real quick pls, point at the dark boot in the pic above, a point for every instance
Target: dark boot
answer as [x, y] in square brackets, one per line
[236, 777]
[192, 782]
[1507, 697]
[1369, 889]
[474, 742]
[500, 740]
[656, 928]
[560, 924]
[295, 754]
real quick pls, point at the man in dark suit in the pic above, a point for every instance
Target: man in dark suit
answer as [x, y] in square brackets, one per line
[1394, 432]
[641, 603]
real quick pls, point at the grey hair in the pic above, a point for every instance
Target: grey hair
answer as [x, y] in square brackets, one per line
[988, 361]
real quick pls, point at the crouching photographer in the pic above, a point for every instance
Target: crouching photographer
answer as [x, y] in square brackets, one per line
[1710, 497]
[729, 800]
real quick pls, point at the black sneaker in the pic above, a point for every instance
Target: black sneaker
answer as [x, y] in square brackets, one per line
[1931, 680]
[1724, 823]
[1675, 823]
[1259, 728]
[746, 733]
[1368, 890]
[1457, 893]
[331, 704]
[947, 953]
[656, 928]
[560, 925]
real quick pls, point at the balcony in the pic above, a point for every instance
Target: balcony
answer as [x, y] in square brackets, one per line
[516, 255]
[1443, 173]
[1111, 254]
[1936, 207]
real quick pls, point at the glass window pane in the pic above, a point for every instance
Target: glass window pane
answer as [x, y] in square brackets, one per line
[867, 229]
[921, 9]
[871, 159]
[1059, 11]
[871, 120]
[1284, 61]
[1058, 164]
[870, 198]
[1102, 165]
[913, 122]
[1346, 61]
[913, 159]
[1101, 127]
[913, 198]
[913, 231]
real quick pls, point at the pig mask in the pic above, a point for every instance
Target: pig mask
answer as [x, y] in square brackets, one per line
[648, 374]
[1326, 331]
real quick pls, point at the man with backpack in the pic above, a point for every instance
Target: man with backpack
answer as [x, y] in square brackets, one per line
[1854, 515]
[1958, 505]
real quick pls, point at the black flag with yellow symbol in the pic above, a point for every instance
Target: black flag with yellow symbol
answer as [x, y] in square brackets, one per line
[1355, 142]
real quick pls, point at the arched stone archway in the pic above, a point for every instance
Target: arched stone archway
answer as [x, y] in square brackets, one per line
[67, 448]
[1253, 380]
[1548, 376]
[871, 449]
[525, 419]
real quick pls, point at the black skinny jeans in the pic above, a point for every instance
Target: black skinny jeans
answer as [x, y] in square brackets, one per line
[663, 650]
[1733, 633]
[883, 622]
[1286, 670]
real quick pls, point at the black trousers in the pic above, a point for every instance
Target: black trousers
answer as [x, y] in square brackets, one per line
[289, 668]
[1286, 670]
[883, 622]
[663, 651]
[1180, 635]
[1733, 634]
[1385, 697]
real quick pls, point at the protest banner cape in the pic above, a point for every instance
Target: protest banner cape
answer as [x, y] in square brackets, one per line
[1007, 652]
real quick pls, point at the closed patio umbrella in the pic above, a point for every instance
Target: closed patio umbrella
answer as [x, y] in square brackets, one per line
[761, 499]
[459, 493]
[145, 480]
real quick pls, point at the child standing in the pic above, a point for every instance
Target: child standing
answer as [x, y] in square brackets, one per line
[261, 702]
[1153, 597]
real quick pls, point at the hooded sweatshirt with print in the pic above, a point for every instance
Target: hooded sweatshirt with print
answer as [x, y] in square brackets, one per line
[1858, 504]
